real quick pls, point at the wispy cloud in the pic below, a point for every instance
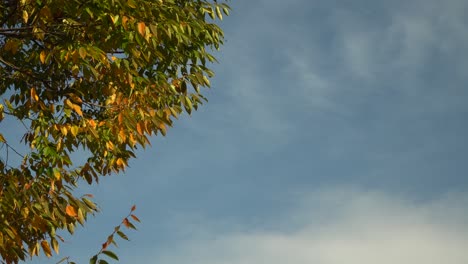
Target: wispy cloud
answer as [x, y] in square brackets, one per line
[340, 226]
[285, 60]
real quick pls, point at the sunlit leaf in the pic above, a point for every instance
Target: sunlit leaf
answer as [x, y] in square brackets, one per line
[70, 210]
[141, 28]
[87, 83]
[42, 56]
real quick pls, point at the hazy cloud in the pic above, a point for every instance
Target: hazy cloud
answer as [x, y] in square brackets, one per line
[341, 226]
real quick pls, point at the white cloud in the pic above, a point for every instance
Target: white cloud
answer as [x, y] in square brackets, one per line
[340, 226]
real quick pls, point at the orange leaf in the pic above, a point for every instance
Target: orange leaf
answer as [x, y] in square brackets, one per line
[124, 21]
[126, 222]
[141, 28]
[34, 94]
[122, 135]
[120, 118]
[133, 208]
[46, 248]
[139, 128]
[132, 139]
[135, 218]
[70, 210]
[120, 162]
[92, 123]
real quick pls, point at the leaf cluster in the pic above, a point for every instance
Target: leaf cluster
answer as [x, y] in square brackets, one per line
[101, 75]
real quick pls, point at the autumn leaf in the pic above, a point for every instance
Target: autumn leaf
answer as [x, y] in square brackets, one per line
[82, 52]
[94, 78]
[70, 210]
[77, 109]
[141, 28]
[46, 247]
[42, 56]
[34, 94]
[139, 128]
[135, 218]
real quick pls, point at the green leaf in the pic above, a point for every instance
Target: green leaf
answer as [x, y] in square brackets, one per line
[110, 254]
[122, 235]
[93, 260]
[131, 3]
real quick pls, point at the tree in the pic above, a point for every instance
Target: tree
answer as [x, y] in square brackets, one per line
[101, 75]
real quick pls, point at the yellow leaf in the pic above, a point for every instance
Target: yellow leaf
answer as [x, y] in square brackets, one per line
[69, 103]
[2, 139]
[141, 28]
[81, 219]
[82, 52]
[218, 12]
[64, 130]
[110, 145]
[57, 175]
[42, 56]
[73, 106]
[25, 16]
[162, 128]
[59, 145]
[55, 245]
[74, 130]
[46, 248]
[77, 109]
[115, 18]
[70, 210]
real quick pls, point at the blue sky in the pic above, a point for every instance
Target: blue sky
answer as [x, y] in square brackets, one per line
[335, 133]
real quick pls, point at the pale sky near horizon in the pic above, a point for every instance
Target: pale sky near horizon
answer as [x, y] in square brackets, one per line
[335, 132]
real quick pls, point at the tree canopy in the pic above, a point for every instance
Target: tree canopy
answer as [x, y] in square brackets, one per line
[99, 75]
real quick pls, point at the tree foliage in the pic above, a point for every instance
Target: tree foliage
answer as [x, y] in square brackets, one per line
[101, 75]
